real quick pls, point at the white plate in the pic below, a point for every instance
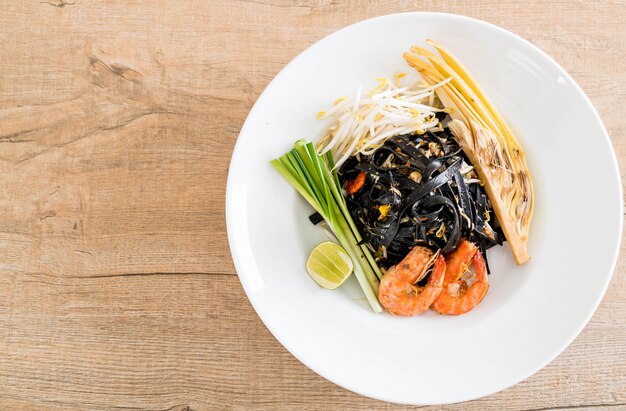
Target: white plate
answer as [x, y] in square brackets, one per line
[530, 314]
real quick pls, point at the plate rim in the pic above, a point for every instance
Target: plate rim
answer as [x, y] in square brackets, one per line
[263, 95]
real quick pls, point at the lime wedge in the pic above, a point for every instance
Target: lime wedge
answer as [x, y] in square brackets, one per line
[329, 265]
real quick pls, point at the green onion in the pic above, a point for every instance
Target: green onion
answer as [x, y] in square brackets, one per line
[312, 175]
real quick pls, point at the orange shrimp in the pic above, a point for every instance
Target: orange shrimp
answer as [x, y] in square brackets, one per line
[457, 262]
[398, 292]
[456, 298]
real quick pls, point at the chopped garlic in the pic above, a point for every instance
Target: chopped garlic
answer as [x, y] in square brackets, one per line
[416, 176]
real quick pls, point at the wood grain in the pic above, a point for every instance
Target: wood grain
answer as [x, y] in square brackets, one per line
[117, 120]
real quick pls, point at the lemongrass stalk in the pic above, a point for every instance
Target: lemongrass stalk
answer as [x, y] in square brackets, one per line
[356, 250]
[310, 175]
[331, 184]
[344, 209]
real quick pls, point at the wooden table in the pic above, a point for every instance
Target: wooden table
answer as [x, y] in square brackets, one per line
[117, 120]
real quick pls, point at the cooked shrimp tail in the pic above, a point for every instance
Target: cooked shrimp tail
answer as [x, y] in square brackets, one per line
[398, 292]
[454, 299]
[458, 262]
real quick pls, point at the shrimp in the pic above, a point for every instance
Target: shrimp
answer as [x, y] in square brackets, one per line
[456, 298]
[398, 292]
[457, 262]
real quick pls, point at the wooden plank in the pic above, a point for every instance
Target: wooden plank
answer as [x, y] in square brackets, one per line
[194, 340]
[117, 120]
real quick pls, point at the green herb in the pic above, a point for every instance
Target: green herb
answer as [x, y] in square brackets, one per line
[312, 175]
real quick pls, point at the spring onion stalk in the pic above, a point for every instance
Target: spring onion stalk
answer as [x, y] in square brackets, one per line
[312, 176]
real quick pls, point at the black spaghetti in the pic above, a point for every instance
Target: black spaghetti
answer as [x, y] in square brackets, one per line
[418, 189]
